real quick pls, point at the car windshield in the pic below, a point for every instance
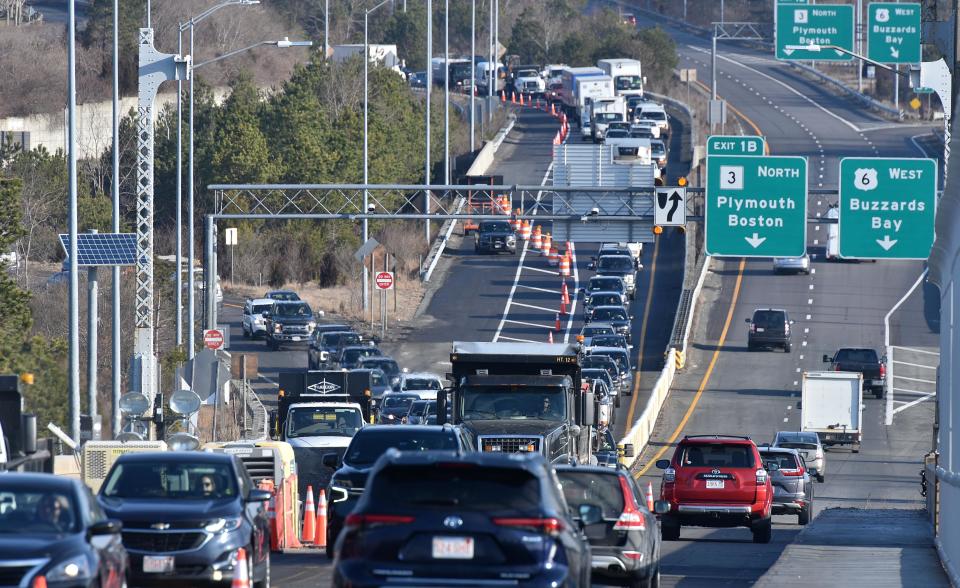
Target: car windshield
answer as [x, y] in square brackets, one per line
[293, 310]
[283, 296]
[597, 373]
[519, 403]
[717, 455]
[629, 83]
[312, 421]
[35, 511]
[494, 227]
[609, 314]
[602, 362]
[657, 115]
[368, 445]
[395, 401]
[388, 366]
[608, 341]
[493, 491]
[261, 308]
[614, 284]
[617, 134]
[857, 356]
[618, 356]
[657, 150]
[338, 339]
[604, 299]
[608, 116]
[171, 480]
[421, 384]
[786, 461]
[602, 490]
[800, 437]
[527, 73]
[789, 445]
[352, 355]
[769, 318]
[593, 331]
[378, 377]
[619, 263]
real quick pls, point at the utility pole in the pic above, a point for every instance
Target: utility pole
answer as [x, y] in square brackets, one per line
[427, 176]
[179, 205]
[859, 28]
[473, 72]
[492, 62]
[115, 381]
[446, 93]
[326, 28]
[74, 299]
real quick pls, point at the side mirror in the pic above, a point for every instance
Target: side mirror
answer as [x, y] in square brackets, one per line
[748, 321]
[590, 514]
[591, 266]
[257, 495]
[107, 527]
[663, 464]
[661, 507]
[331, 460]
[812, 472]
[826, 359]
[628, 449]
[639, 266]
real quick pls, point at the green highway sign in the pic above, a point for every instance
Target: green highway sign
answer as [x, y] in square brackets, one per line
[814, 24]
[756, 206]
[893, 33]
[887, 207]
[734, 145]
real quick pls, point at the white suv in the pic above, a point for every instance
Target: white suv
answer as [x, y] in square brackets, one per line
[253, 323]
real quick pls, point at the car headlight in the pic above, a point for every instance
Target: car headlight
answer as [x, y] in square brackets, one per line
[74, 568]
[277, 328]
[312, 325]
[223, 525]
[511, 240]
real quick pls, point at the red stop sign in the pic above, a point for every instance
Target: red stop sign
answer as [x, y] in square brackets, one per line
[213, 339]
[384, 280]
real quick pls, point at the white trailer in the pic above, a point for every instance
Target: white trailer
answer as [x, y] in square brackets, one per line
[627, 75]
[566, 93]
[831, 405]
[385, 55]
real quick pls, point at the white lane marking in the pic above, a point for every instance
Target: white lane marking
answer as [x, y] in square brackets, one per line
[811, 286]
[816, 241]
[795, 91]
[816, 227]
[809, 300]
[919, 147]
[785, 419]
[540, 269]
[798, 370]
[536, 289]
[535, 307]
[526, 244]
[518, 340]
[806, 330]
[801, 355]
[795, 382]
[576, 288]
[549, 327]
[790, 406]
[808, 317]
[804, 344]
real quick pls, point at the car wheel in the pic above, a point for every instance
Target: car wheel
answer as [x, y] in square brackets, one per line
[669, 529]
[803, 517]
[787, 347]
[246, 333]
[821, 478]
[653, 581]
[762, 530]
[878, 392]
[265, 582]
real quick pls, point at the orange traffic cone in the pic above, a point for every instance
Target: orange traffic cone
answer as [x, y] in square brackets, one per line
[309, 518]
[565, 293]
[556, 323]
[241, 575]
[550, 337]
[650, 496]
[563, 308]
[320, 539]
[513, 98]
[503, 96]
[272, 514]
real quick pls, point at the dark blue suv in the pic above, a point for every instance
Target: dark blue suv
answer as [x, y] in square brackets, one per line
[186, 515]
[444, 519]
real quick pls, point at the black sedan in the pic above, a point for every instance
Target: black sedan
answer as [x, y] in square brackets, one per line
[187, 516]
[625, 543]
[615, 315]
[53, 533]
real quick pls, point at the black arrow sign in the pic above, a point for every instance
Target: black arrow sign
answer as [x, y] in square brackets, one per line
[675, 199]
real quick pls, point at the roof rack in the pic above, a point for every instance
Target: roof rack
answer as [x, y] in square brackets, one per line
[746, 437]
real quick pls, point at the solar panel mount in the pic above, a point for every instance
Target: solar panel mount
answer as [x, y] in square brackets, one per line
[95, 249]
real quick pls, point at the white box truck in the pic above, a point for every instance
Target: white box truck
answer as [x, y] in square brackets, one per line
[831, 405]
[627, 75]
[604, 111]
[566, 93]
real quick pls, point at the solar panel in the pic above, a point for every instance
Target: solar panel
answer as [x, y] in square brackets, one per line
[103, 248]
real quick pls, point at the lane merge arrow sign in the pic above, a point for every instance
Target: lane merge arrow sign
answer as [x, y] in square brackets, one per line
[814, 24]
[887, 207]
[893, 32]
[756, 206]
[670, 208]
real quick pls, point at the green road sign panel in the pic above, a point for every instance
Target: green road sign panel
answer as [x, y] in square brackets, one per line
[793, 1]
[887, 207]
[756, 206]
[814, 24]
[734, 145]
[893, 33]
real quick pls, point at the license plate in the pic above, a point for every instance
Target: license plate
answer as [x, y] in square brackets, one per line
[157, 564]
[715, 484]
[453, 547]
[296, 338]
[497, 245]
[759, 329]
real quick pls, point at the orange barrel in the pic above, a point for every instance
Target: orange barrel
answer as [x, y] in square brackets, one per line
[565, 266]
[554, 259]
[525, 230]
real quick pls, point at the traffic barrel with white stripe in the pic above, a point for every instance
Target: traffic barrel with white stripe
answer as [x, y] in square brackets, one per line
[525, 230]
[554, 259]
[547, 240]
[565, 265]
[537, 241]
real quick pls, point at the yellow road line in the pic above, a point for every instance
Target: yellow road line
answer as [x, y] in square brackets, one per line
[232, 305]
[706, 375]
[643, 333]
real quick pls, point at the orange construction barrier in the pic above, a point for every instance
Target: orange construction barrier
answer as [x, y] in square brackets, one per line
[553, 260]
[525, 230]
[320, 539]
[241, 575]
[537, 241]
[309, 518]
[547, 239]
[565, 265]
[505, 204]
[288, 506]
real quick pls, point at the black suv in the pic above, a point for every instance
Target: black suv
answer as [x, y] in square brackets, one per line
[346, 484]
[289, 322]
[350, 356]
[769, 327]
[494, 236]
[625, 542]
[186, 515]
[499, 518]
[325, 347]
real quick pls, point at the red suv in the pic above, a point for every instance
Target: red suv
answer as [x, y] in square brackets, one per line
[716, 481]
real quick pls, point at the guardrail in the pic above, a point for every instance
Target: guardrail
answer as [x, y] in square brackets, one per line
[863, 98]
[255, 419]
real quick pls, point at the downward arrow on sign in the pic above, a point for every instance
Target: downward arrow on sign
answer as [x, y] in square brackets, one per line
[887, 243]
[894, 52]
[788, 51]
[757, 240]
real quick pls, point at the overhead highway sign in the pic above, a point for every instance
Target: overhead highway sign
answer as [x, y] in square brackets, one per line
[893, 33]
[814, 24]
[734, 145]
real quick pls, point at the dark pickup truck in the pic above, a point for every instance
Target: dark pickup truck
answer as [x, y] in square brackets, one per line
[864, 361]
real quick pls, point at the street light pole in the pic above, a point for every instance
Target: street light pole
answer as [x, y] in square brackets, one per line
[326, 28]
[74, 299]
[427, 175]
[179, 204]
[492, 61]
[473, 71]
[115, 293]
[446, 93]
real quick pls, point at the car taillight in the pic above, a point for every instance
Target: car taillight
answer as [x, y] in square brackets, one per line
[631, 518]
[368, 520]
[836, 367]
[549, 525]
[797, 472]
[753, 327]
[883, 371]
[761, 476]
[786, 327]
[669, 475]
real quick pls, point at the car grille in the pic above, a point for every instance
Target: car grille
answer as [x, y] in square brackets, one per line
[509, 444]
[162, 542]
[530, 85]
[12, 575]
[295, 329]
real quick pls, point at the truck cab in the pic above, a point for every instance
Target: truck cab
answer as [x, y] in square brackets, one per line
[521, 397]
[604, 111]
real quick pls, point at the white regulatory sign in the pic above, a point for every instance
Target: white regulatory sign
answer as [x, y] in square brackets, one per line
[670, 207]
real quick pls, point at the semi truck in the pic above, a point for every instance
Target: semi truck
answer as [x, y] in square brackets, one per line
[521, 397]
[457, 69]
[627, 75]
[831, 405]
